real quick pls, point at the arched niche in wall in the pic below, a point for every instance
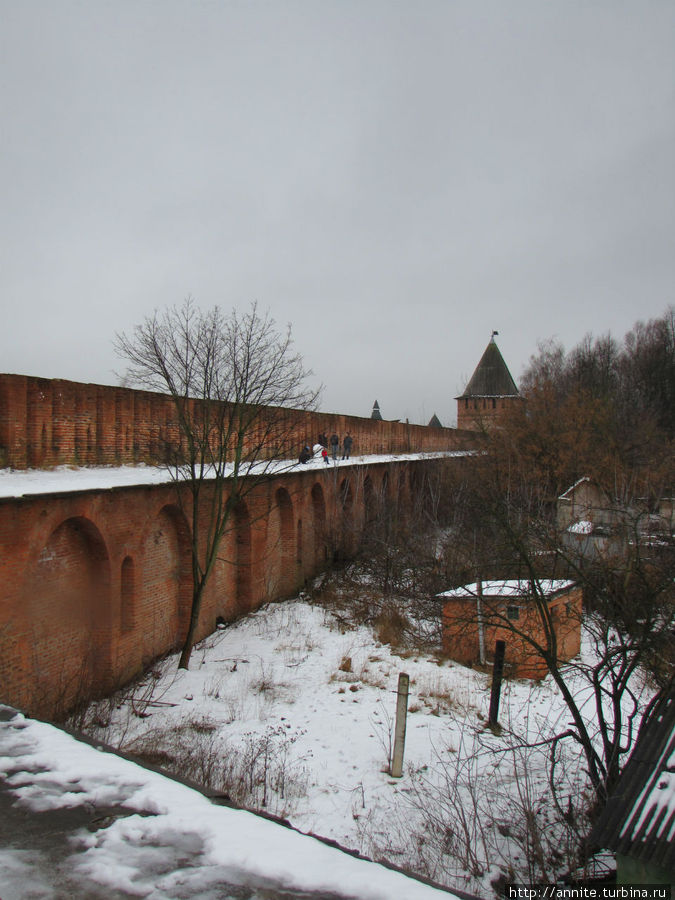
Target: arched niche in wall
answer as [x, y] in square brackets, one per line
[242, 559]
[69, 627]
[384, 491]
[346, 503]
[164, 600]
[370, 510]
[280, 555]
[319, 525]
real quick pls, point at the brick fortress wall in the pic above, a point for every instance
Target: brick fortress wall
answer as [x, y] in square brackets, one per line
[50, 422]
[95, 584]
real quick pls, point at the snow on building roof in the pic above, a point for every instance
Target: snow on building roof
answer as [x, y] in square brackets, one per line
[581, 527]
[508, 589]
[570, 490]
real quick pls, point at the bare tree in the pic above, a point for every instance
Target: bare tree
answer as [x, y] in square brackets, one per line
[236, 386]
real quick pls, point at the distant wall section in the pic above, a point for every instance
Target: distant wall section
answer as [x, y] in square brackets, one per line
[51, 422]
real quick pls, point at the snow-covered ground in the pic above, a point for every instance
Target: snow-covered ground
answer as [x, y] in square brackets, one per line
[64, 479]
[148, 836]
[292, 712]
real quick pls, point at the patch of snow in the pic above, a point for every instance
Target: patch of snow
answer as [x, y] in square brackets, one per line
[70, 479]
[140, 853]
[509, 588]
[570, 489]
[581, 527]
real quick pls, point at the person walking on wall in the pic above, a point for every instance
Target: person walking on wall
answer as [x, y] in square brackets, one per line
[324, 455]
[347, 446]
[334, 445]
[323, 440]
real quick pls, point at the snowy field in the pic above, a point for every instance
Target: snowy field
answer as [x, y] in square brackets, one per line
[290, 713]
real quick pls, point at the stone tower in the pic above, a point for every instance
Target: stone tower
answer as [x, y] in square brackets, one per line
[491, 393]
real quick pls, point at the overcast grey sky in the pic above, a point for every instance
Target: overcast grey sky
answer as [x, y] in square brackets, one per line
[395, 179]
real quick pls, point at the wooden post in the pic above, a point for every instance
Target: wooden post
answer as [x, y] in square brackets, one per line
[481, 626]
[399, 733]
[497, 670]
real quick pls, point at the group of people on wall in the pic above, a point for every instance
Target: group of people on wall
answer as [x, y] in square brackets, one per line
[322, 446]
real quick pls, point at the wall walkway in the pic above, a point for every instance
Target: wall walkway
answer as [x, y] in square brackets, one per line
[46, 422]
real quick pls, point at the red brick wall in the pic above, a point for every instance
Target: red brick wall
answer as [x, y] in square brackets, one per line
[461, 638]
[95, 584]
[48, 422]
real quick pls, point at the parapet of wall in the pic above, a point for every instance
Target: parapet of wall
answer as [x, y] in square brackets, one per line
[49, 422]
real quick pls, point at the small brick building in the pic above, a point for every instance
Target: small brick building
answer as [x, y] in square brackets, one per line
[475, 616]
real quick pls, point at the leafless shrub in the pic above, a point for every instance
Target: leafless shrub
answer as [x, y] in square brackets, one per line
[260, 774]
[264, 775]
[383, 726]
[100, 719]
[480, 814]
[391, 626]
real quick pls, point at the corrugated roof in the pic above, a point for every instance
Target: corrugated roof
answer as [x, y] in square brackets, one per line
[492, 377]
[639, 819]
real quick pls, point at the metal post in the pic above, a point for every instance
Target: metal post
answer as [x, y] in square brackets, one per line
[497, 670]
[399, 733]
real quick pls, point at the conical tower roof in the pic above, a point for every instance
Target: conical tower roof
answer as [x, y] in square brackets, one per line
[492, 377]
[376, 414]
[434, 422]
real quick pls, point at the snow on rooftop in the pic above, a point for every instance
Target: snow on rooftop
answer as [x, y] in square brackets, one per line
[508, 589]
[581, 527]
[572, 488]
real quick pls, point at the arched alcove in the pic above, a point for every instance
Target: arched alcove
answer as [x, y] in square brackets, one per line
[68, 605]
[346, 502]
[242, 559]
[164, 604]
[319, 525]
[369, 500]
[280, 552]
